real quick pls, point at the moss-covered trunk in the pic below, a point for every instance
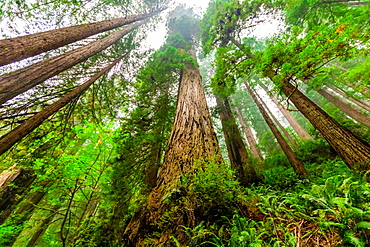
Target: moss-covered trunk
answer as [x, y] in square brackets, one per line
[192, 141]
[235, 147]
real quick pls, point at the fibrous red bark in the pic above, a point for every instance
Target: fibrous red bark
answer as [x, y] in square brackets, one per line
[15, 49]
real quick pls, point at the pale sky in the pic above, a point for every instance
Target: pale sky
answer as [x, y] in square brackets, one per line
[156, 38]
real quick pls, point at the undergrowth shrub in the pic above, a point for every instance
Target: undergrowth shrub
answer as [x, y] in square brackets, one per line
[331, 207]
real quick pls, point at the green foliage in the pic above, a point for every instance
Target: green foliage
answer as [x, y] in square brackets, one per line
[315, 151]
[331, 201]
[212, 185]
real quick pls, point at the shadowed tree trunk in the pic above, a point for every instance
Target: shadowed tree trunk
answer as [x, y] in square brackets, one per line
[235, 147]
[301, 132]
[249, 136]
[153, 165]
[9, 139]
[192, 141]
[18, 48]
[25, 210]
[42, 227]
[347, 108]
[20, 179]
[294, 161]
[351, 149]
[277, 122]
[19, 81]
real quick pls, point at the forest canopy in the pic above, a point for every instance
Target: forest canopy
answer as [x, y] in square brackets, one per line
[158, 123]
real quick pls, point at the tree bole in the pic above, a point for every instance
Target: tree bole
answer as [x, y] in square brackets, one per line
[15, 49]
[9, 139]
[19, 81]
[351, 149]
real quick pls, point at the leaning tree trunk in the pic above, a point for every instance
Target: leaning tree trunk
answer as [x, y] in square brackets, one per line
[234, 143]
[19, 81]
[350, 110]
[25, 210]
[353, 100]
[43, 226]
[249, 136]
[14, 182]
[286, 133]
[18, 48]
[192, 141]
[9, 139]
[350, 148]
[294, 161]
[301, 132]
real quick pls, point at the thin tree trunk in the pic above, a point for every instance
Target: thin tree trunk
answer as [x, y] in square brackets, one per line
[355, 101]
[351, 149]
[351, 111]
[294, 161]
[20, 179]
[249, 136]
[19, 81]
[9, 139]
[18, 48]
[301, 132]
[192, 141]
[235, 147]
[290, 138]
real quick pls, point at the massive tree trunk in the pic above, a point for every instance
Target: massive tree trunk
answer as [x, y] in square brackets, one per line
[249, 136]
[277, 122]
[18, 48]
[21, 180]
[235, 147]
[347, 108]
[294, 161]
[19, 81]
[301, 132]
[353, 100]
[351, 149]
[192, 141]
[9, 139]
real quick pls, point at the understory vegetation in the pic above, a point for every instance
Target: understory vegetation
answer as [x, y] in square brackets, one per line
[211, 133]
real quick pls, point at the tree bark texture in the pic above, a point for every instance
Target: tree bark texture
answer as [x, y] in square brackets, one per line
[9, 139]
[18, 48]
[348, 97]
[351, 149]
[11, 195]
[238, 154]
[286, 133]
[192, 141]
[301, 132]
[294, 161]
[19, 81]
[347, 108]
[249, 136]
